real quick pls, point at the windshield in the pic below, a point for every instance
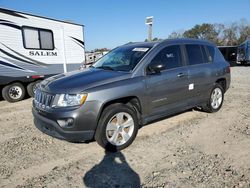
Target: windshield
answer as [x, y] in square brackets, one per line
[123, 58]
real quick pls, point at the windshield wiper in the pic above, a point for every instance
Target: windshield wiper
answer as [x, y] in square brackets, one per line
[105, 67]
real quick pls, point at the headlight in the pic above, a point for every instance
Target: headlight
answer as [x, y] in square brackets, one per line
[65, 100]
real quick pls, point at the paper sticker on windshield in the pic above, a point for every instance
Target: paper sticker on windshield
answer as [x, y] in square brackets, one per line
[140, 49]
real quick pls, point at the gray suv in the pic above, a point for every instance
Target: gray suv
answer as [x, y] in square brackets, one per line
[129, 87]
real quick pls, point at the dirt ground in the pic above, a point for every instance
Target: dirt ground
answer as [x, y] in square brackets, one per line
[192, 149]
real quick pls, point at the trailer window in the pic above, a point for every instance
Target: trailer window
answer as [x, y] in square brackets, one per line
[36, 38]
[46, 38]
[31, 38]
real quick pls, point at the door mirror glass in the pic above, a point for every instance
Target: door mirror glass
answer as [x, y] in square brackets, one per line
[168, 58]
[156, 67]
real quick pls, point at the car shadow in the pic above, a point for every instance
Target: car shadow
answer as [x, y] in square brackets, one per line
[112, 171]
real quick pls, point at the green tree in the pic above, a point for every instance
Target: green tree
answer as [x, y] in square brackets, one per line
[175, 35]
[226, 35]
[230, 35]
[244, 31]
[154, 39]
[205, 31]
[219, 28]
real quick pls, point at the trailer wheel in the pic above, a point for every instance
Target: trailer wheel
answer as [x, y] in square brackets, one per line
[31, 88]
[1, 97]
[13, 92]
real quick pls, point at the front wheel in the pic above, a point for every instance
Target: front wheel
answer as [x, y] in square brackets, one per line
[117, 127]
[215, 100]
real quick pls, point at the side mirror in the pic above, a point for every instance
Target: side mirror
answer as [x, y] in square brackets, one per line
[156, 67]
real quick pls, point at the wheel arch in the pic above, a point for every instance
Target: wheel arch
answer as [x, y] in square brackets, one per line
[132, 101]
[222, 82]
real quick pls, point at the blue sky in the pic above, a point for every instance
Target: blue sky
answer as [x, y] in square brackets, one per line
[109, 23]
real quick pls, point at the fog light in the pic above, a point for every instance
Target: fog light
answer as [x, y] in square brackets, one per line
[64, 123]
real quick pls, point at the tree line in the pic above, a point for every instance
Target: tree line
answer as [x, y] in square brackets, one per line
[221, 34]
[99, 50]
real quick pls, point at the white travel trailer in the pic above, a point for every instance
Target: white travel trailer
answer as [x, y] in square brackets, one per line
[33, 48]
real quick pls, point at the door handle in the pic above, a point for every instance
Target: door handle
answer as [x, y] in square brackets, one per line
[181, 75]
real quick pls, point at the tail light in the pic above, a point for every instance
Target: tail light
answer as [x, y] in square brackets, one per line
[37, 76]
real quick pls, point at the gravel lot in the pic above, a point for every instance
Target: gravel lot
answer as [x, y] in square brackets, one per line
[192, 149]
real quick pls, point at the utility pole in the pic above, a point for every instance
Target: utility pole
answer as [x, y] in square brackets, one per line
[149, 22]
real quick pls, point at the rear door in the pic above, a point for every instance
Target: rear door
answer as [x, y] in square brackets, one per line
[168, 90]
[199, 72]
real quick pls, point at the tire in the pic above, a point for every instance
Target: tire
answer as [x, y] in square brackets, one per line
[214, 105]
[104, 137]
[31, 87]
[14, 92]
[242, 63]
[1, 97]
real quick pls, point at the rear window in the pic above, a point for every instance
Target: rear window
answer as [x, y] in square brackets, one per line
[194, 53]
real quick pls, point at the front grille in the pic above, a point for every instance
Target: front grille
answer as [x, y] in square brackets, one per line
[43, 100]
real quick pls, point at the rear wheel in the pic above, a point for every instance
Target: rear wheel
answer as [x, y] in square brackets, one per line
[215, 100]
[117, 127]
[13, 92]
[31, 88]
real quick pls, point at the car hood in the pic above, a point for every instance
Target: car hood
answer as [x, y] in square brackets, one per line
[81, 80]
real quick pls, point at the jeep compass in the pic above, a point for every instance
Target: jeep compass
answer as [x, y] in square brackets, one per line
[129, 87]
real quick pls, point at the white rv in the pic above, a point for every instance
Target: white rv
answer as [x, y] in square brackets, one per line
[33, 48]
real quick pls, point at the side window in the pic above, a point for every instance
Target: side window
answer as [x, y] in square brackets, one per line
[35, 38]
[205, 55]
[194, 53]
[211, 53]
[169, 56]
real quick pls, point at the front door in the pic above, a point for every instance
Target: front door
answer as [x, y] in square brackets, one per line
[168, 90]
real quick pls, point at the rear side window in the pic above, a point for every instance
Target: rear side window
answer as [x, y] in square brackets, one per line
[194, 53]
[169, 56]
[205, 55]
[210, 53]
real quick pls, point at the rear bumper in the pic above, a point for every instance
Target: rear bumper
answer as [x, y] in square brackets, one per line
[51, 128]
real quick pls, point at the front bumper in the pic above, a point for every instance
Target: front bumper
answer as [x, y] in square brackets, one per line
[50, 127]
